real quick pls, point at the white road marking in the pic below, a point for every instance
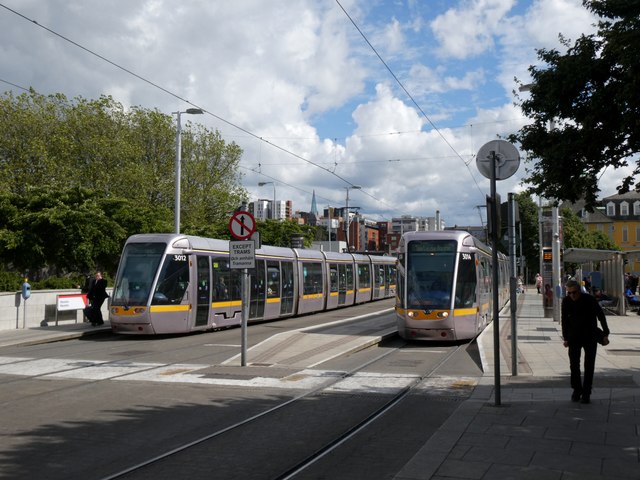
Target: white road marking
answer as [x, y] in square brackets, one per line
[105, 370]
[44, 366]
[364, 382]
[4, 360]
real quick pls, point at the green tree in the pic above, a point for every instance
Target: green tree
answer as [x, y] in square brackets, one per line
[79, 176]
[528, 211]
[585, 105]
[64, 231]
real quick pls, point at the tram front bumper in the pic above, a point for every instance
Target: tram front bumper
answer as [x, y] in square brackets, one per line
[412, 333]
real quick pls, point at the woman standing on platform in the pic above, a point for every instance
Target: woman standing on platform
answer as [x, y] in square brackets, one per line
[97, 295]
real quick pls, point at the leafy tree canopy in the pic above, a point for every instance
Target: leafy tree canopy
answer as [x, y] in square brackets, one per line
[585, 107]
[77, 177]
[528, 211]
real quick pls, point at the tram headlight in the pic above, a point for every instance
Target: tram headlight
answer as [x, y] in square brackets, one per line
[444, 314]
[411, 314]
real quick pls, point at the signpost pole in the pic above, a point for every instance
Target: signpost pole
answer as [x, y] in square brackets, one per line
[245, 315]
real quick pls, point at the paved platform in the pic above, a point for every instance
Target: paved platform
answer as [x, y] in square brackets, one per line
[52, 333]
[534, 431]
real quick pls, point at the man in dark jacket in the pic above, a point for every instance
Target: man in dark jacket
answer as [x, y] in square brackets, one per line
[580, 314]
[97, 295]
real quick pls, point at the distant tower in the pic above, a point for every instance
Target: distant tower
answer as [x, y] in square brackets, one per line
[314, 206]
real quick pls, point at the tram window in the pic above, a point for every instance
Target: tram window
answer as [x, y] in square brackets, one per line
[139, 264]
[378, 276]
[221, 281]
[429, 273]
[333, 277]
[273, 279]
[236, 284]
[364, 277]
[173, 280]
[312, 274]
[466, 282]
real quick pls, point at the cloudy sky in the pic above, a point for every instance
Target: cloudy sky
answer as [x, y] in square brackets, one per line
[396, 96]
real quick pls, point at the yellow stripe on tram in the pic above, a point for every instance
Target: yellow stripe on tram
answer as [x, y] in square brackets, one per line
[170, 308]
[459, 312]
[315, 295]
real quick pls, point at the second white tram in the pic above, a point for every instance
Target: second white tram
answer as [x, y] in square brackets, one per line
[444, 287]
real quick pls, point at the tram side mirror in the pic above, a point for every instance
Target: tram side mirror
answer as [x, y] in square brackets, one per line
[26, 290]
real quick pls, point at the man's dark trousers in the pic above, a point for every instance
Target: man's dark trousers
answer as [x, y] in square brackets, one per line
[575, 350]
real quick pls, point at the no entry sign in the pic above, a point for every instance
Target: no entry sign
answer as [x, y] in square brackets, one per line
[242, 225]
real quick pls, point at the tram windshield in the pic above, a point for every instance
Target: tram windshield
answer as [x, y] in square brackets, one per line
[430, 268]
[173, 280]
[138, 266]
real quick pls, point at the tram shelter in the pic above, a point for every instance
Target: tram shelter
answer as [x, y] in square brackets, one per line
[607, 268]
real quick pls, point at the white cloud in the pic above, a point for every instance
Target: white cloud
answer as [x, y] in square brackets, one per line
[424, 80]
[469, 30]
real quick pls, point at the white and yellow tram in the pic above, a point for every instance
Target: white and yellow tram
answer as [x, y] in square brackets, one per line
[445, 285]
[172, 283]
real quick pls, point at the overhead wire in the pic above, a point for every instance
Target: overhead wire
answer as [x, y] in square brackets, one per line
[13, 84]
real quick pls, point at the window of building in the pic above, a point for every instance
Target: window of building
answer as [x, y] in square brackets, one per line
[638, 233]
[625, 234]
[624, 208]
[636, 208]
[611, 209]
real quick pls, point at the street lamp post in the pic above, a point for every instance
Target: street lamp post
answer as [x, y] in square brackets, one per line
[329, 224]
[273, 209]
[347, 221]
[190, 111]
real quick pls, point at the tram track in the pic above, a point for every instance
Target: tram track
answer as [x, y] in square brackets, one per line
[322, 443]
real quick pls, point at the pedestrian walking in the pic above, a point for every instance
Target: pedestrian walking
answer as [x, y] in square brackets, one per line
[539, 282]
[580, 314]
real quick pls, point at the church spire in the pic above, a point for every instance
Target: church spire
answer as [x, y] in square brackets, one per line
[314, 206]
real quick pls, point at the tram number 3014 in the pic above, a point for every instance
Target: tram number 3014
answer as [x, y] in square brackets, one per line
[466, 256]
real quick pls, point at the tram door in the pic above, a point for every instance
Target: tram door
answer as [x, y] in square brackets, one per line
[203, 291]
[258, 290]
[288, 294]
[378, 280]
[342, 284]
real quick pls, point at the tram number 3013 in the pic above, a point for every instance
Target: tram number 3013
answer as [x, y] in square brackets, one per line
[179, 258]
